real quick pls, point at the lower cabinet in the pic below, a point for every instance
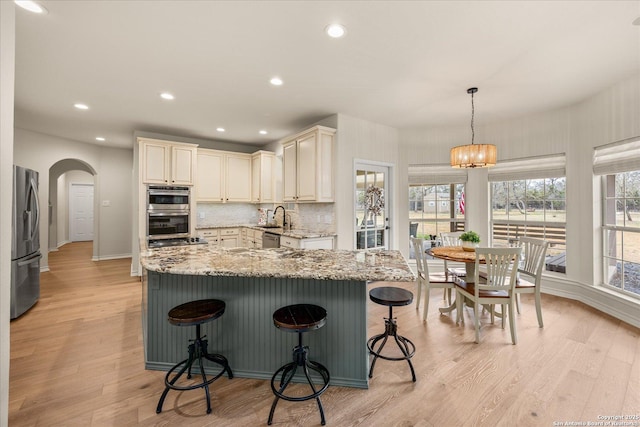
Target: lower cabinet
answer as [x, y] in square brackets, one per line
[211, 235]
[230, 237]
[309, 243]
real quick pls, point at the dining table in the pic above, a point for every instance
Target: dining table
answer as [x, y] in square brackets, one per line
[456, 254]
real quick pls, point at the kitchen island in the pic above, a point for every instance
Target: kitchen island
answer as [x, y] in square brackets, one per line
[254, 283]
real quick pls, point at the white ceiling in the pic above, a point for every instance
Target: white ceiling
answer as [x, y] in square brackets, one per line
[402, 64]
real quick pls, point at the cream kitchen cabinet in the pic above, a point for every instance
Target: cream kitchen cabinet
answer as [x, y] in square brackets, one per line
[211, 235]
[253, 238]
[167, 163]
[262, 177]
[308, 166]
[306, 243]
[223, 176]
[229, 237]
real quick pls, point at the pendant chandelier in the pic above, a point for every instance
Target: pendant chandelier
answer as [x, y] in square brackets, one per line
[473, 155]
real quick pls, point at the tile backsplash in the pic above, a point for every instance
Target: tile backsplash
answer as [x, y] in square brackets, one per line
[318, 217]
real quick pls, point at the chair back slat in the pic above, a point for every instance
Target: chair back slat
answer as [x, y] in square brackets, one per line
[451, 239]
[533, 255]
[498, 268]
[421, 262]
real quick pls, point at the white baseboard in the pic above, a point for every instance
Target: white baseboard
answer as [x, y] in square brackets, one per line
[64, 242]
[610, 302]
[107, 257]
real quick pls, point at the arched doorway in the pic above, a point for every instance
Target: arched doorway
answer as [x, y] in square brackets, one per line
[61, 174]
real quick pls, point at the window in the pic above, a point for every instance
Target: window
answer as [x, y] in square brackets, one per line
[619, 165]
[529, 200]
[434, 209]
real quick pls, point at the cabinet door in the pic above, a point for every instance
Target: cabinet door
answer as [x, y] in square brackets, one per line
[182, 159]
[307, 168]
[238, 180]
[155, 163]
[262, 179]
[289, 174]
[256, 172]
[230, 241]
[319, 243]
[210, 176]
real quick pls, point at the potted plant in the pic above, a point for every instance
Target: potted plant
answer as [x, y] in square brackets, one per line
[470, 240]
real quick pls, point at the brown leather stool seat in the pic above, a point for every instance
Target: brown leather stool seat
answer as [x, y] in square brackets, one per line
[299, 318]
[189, 314]
[391, 297]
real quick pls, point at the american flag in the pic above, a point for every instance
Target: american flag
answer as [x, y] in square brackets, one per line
[461, 203]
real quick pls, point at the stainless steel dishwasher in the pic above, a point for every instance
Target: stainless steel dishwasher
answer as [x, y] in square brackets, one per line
[270, 240]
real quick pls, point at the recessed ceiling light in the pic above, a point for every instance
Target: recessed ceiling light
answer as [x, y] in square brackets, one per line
[263, 132]
[81, 106]
[166, 95]
[31, 6]
[220, 129]
[276, 81]
[100, 138]
[335, 30]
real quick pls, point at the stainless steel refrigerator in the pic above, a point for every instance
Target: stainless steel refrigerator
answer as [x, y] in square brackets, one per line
[25, 241]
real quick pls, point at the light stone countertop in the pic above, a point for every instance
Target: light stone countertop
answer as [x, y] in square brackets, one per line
[295, 233]
[323, 264]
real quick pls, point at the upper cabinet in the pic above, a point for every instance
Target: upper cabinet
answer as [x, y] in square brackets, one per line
[262, 177]
[223, 176]
[210, 176]
[167, 163]
[308, 166]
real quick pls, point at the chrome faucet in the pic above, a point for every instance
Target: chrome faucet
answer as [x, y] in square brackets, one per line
[284, 215]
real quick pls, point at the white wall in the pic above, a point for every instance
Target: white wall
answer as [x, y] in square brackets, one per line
[7, 78]
[113, 182]
[611, 115]
[363, 140]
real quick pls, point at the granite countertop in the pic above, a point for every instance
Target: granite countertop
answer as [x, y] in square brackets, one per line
[295, 233]
[323, 264]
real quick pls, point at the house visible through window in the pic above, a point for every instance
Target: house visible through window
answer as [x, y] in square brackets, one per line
[435, 209]
[436, 201]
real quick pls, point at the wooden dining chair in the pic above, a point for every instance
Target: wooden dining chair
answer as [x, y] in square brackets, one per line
[428, 281]
[452, 239]
[497, 288]
[534, 252]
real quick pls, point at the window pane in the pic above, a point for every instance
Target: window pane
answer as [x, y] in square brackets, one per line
[434, 209]
[621, 248]
[632, 214]
[534, 208]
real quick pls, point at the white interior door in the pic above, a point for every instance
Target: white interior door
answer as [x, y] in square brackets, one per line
[80, 212]
[372, 213]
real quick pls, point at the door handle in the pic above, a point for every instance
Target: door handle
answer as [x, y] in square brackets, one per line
[29, 261]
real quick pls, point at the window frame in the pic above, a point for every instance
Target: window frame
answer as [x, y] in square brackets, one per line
[606, 229]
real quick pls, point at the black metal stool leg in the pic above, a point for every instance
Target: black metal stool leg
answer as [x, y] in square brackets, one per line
[405, 351]
[320, 408]
[391, 329]
[288, 371]
[187, 366]
[197, 351]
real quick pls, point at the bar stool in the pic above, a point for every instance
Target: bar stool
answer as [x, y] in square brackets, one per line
[299, 318]
[391, 297]
[188, 314]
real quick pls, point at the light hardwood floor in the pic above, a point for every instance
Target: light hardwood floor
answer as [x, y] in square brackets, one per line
[77, 360]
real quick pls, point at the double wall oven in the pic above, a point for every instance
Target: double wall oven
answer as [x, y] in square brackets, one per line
[168, 211]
